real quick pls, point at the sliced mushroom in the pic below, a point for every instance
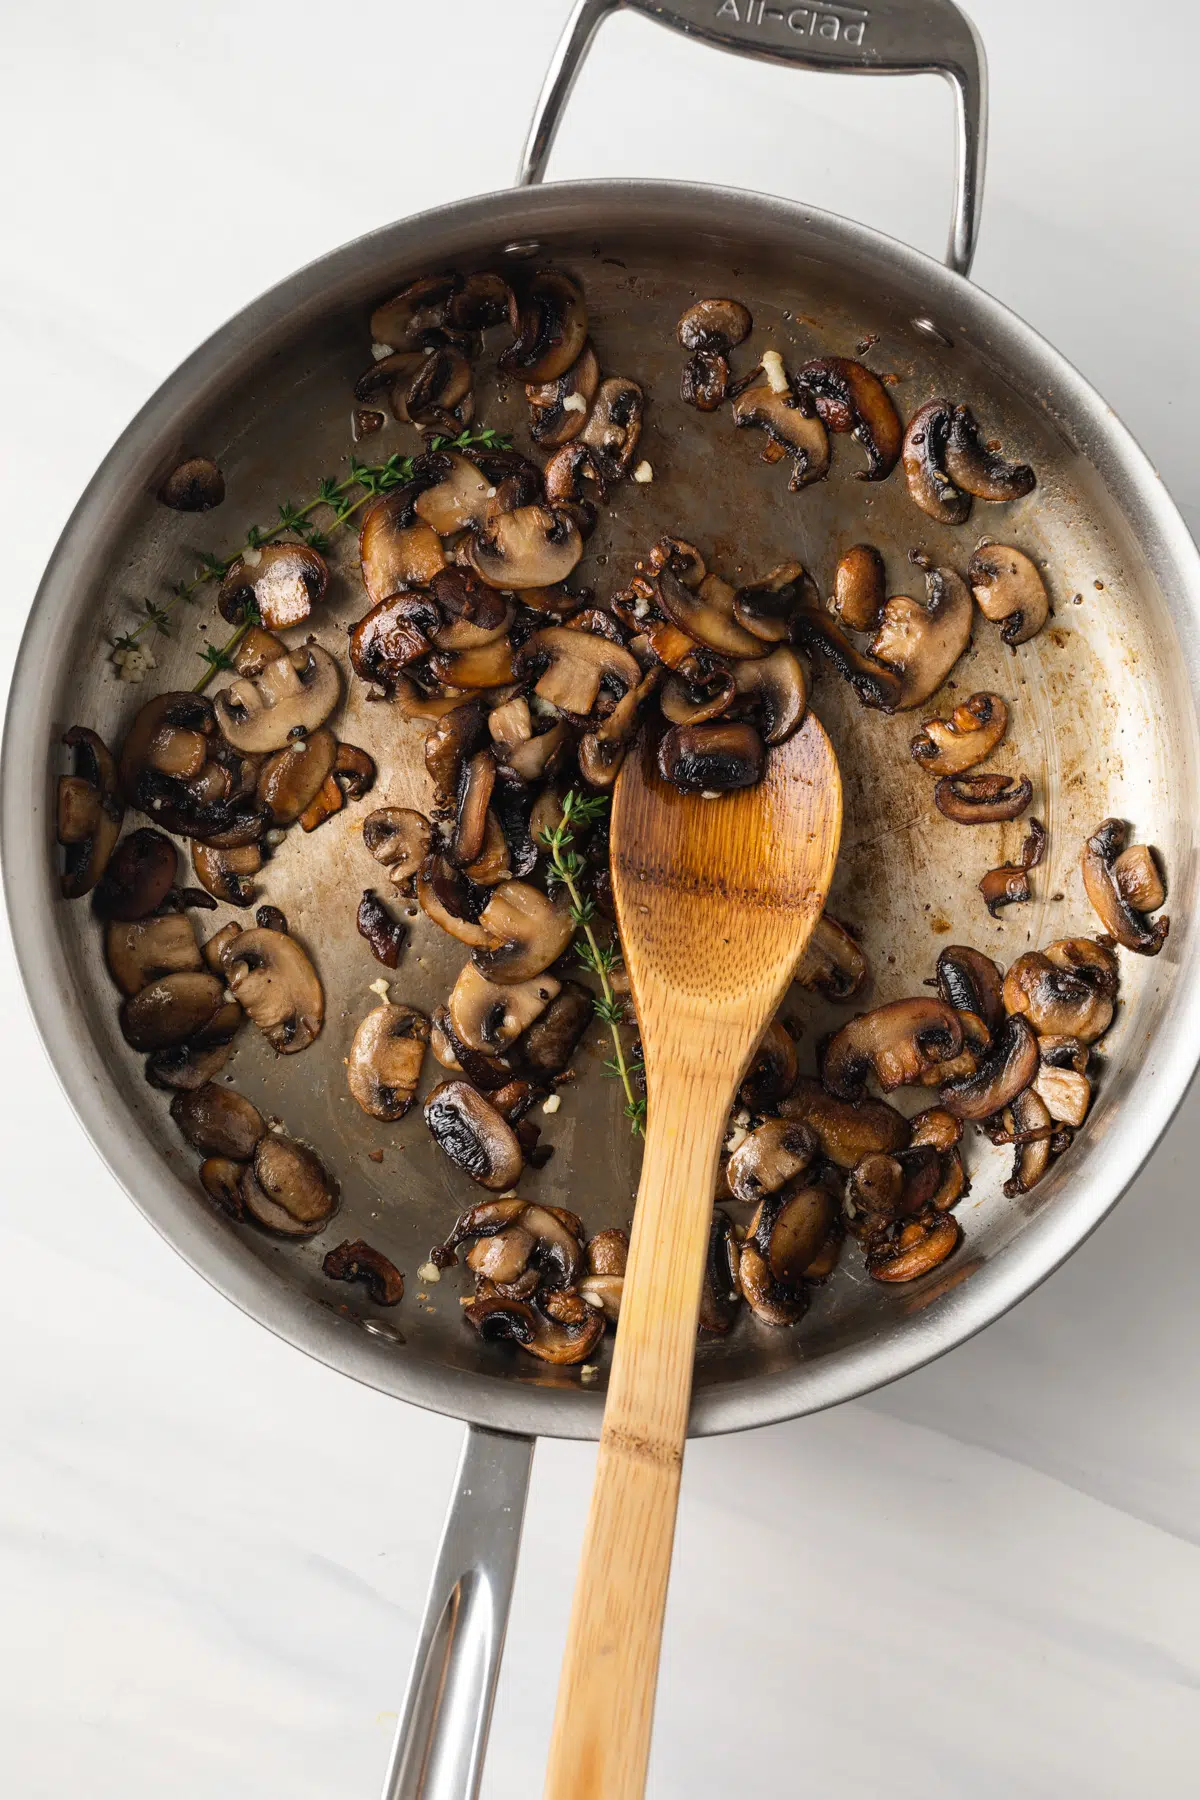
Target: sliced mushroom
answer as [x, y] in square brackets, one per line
[534, 547]
[1009, 884]
[833, 964]
[877, 687]
[396, 633]
[489, 1016]
[766, 608]
[978, 469]
[1027, 1125]
[352, 776]
[714, 325]
[883, 1189]
[227, 874]
[1120, 918]
[385, 1060]
[850, 398]
[602, 752]
[900, 1043]
[193, 486]
[922, 643]
[478, 615]
[787, 1233]
[221, 1179]
[287, 1189]
[218, 1121]
[929, 483]
[256, 650]
[546, 1048]
[1007, 1069]
[574, 666]
[1009, 588]
[438, 394]
[292, 697]
[846, 1130]
[525, 930]
[711, 759]
[706, 614]
[952, 746]
[559, 409]
[1066, 1093]
[977, 1040]
[773, 1071]
[550, 324]
[397, 550]
[919, 1246]
[498, 1320]
[1139, 879]
[470, 1131]
[140, 951]
[139, 876]
[705, 381]
[971, 983]
[282, 586]
[860, 588]
[198, 1061]
[170, 1010]
[273, 979]
[448, 898]
[1059, 996]
[459, 496]
[982, 799]
[355, 1260]
[386, 936]
[793, 429]
[453, 739]
[938, 1130]
[769, 1157]
[170, 736]
[405, 322]
[555, 1247]
[614, 426]
[399, 838]
[722, 1290]
[89, 813]
[290, 781]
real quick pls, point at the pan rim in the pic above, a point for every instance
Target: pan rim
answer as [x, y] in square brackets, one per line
[167, 1202]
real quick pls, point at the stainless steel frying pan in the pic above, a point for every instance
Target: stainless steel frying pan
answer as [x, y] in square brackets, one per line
[1106, 720]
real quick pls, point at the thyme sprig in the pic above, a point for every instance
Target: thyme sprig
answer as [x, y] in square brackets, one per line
[567, 869]
[341, 499]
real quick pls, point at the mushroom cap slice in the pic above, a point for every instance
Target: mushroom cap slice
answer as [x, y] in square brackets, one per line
[1006, 1070]
[556, 1237]
[170, 735]
[900, 1043]
[284, 585]
[1009, 587]
[982, 799]
[774, 690]
[292, 697]
[832, 964]
[559, 409]
[846, 1130]
[1119, 917]
[952, 746]
[396, 550]
[766, 607]
[981, 471]
[860, 588]
[462, 496]
[140, 874]
[273, 979]
[385, 1060]
[170, 1010]
[488, 1016]
[574, 666]
[921, 644]
[714, 325]
[290, 781]
[498, 1320]
[851, 398]
[399, 838]
[469, 1130]
[526, 932]
[403, 322]
[140, 951]
[614, 426]
[89, 813]
[287, 1189]
[550, 325]
[218, 1121]
[355, 1260]
[1139, 879]
[792, 425]
[920, 1246]
[545, 1049]
[445, 896]
[715, 758]
[226, 874]
[1059, 999]
[706, 614]
[767, 1159]
[876, 686]
[971, 982]
[925, 471]
[533, 547]
[722, 1291]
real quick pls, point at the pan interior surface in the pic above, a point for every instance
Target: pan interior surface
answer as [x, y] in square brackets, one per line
[1104, 722]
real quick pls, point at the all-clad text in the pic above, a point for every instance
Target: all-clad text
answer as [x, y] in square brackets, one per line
[843, 25]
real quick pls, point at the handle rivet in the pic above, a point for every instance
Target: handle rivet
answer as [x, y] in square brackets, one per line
[927, 329]
[524, 247]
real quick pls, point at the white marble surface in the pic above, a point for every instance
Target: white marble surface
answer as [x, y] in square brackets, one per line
[984, 1581]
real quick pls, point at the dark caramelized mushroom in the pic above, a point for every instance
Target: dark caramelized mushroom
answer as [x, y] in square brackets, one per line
[171, 1010]
[1009, 884]
[766, 608]
[980, 470]
[922, 643]
[1007, 1069]
[614, 426]
[919, 1246]
[194, 486]
[473, 1135]
[876, 687]
[722, 1291]
[447, 897]
[860, 588]
[140, 875]
[482, 301]
[900, 1043]
[786, 1235]
[705, 381]
[546, 1048]
[395, 633]
[551, 1341]
[1131, 928]
[559, 409]
[221, 1179]
[1068, 991]
[982, 799]
[290, 781]
[525, 931]
[405, 322]
[706, 614]
[772, 1074]
[714, 325]
[286, 1190]
[832, 964]
[1009, 589]
[475, 786]
[850, 398]
[555, 1244]
[954, 745]
[386, 936]
[1027, 1125]
[355, 1260]
[385, 1060]
[453, 739]
[550, 324]
[282, 582]
[226, 874]
[711, 759]
[846, 1130]
[793, 430]
[273, 979]
[89, 812]
[929, 483]
[218, 1121]
[769, 1157]
[970, 982]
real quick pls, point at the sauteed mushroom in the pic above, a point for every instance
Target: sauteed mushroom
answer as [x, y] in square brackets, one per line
[574, 666]
[559, 409]
[1066, 1093]
[394, 634]
[613, 428]
[140, 951]
[474, 1135]
[545, 1049]
[489, 1016]
[173, 1009]
[139, 876]
[1009, 589]
[283, 582]
[193, 486]
[555, 1242]
[1120, 918]
[226, 874]
[447, 897]
[525, 931]
[706, 614]
[550, 324]
[876, 686]
[921, 644]
[714, 325]
[772, 1074]
[1062, 992]
[860, 588]
[982, 799]
[603, 1286]
[385, 1060]
[705, 381]
[766, 608]
[919, 1246]
[399, 838]
[290, 780]
[900, 1043]
[292, 697]
[534, 547]
[273, 979]
[954, 745]
[1139, 879]
[971, 983]
[396, 549]
[846, 1130]
[785, 1236]
[772, 1155]
[850, 398]
[711, 759]
[90, 812]
[1006, 1070]
[355, 1260]
[793, 429]
[286, 1189]
[722, 1290]
[980, 470]
[218, 1121]
[200, 1059]
[405, 322]
[517, 1321]
[386, 936]
[1009, 884]
[929, 483]
[832, 964]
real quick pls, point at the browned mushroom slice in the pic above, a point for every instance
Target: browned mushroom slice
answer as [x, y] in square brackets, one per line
[140, 874]
[772, 1074]
[555, 1248]
[698, 694]
[876, 687]
[478, 615]
[526, 931]
[293, 696]
[899, 1043]
[1066, 1092]
[613, 428]
[439, 392]
[290, 781]
[200, 1060]
[833, 964]
[393, 634]
[574, 666]
[355, 1260]
[922, 643]
[489, 1016]
[446, 897]
[769, 1157]
[977, 1040]
[1120, 918]
[273, 979]
[937, 1129]
[722, 1290]
[218, 1121]
[847, 1131]
[559, 409]
[171, 735]
[550, 324]
[227, 874]
[404, 322]
[714, 325]
[395, 549]
[982, 799]
[287, 1190]
[89, 813]
[925, 444]
[1008, 1068]
[547, 1047]
[706, 614]
[399, 838]
[1063, 995]
[1009, 884]
[765, 608]
[705, 381]
[386, 936]
[850, 398]
[954, 745]
[282, 582]
[389, 377]
[711, 759]
[534, 547]
[1009, 589]
[971, 983]
[860, 588]
[499, 1320]
[385, 1060]
[475, 787]
[193, 486]
[470, 1131]
[489, 666]
[460, 496]
[602, 752]
[885, 1188]
[1027, 1125]
[1139, 879]
[221, 1179]
[919, 1246]
[454, 738]
[980, 470]
[788, 1231]
[140, 951]
[482, 301]
[170, 1010]
[793, 430]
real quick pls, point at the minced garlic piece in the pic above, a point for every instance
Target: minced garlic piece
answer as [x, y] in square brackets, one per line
[775, 372]
[552, 1104]
[429, 1272]
[644, 473]
[381, 988]
[574, 403]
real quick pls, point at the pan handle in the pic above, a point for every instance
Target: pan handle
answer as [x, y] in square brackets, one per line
[879, 37]
[442, 1736]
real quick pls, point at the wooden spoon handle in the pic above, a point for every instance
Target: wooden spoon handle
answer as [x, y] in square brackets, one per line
[601, 1740]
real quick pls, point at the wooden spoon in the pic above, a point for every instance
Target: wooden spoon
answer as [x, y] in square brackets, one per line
[716, 901]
